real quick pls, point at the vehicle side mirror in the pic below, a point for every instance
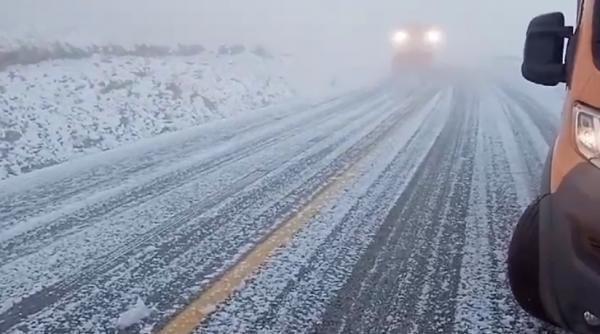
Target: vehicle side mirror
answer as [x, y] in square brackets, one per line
[543, 58]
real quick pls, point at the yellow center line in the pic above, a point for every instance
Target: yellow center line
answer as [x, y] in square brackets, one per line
[189, 319]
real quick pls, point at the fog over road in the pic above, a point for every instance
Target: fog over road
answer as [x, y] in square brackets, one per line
[398, 200]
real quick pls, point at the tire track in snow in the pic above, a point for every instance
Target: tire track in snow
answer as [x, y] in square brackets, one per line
[541, 118]
[474, 299]
[386, 286]
[501, 191]
[293, 290]
[436, 308]
[529, 149]
[280, 212]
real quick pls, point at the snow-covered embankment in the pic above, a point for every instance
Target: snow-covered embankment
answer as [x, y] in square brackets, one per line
[56, 110]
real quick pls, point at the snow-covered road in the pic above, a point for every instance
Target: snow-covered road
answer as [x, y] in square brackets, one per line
[424, 182]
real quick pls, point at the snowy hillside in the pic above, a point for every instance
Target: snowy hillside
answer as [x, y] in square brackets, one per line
[58, 109]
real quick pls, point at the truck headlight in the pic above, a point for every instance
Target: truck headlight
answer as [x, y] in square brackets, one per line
[400, 37]
[587, 132]
[433, 36]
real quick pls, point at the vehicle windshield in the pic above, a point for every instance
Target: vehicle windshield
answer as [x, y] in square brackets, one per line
[266, 166]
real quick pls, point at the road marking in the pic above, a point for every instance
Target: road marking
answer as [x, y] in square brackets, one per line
[189, 319]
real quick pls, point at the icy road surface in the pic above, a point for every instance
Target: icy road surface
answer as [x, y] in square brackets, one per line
[424, 183]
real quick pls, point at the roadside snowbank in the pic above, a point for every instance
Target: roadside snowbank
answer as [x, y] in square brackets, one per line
[57, 110]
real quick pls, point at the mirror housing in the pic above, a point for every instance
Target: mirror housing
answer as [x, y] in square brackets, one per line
[543, 58]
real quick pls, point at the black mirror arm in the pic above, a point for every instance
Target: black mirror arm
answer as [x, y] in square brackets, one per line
[564, 32]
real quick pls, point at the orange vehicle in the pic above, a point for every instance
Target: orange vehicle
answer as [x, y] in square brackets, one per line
[415, 47]
[554, 255]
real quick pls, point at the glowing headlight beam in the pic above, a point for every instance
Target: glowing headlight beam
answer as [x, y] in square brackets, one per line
[433, 36]
[400, 37]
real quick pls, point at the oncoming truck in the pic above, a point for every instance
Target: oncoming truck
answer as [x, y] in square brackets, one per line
[415, 47]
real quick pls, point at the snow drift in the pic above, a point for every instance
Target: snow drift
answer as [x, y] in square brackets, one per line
[57, 109]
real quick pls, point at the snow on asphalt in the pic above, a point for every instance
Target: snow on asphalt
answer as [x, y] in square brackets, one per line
[324, 246]
[126, 238]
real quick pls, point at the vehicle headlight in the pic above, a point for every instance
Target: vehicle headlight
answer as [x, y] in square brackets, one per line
[400, 37]
[433, 36]
[587, 132]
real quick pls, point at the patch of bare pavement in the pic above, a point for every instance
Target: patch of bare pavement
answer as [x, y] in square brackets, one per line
[385, 212]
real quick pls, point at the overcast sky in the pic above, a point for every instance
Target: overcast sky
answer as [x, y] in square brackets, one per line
[337, 32]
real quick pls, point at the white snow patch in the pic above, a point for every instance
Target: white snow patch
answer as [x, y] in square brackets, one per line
[134, 315]
[57, 110]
